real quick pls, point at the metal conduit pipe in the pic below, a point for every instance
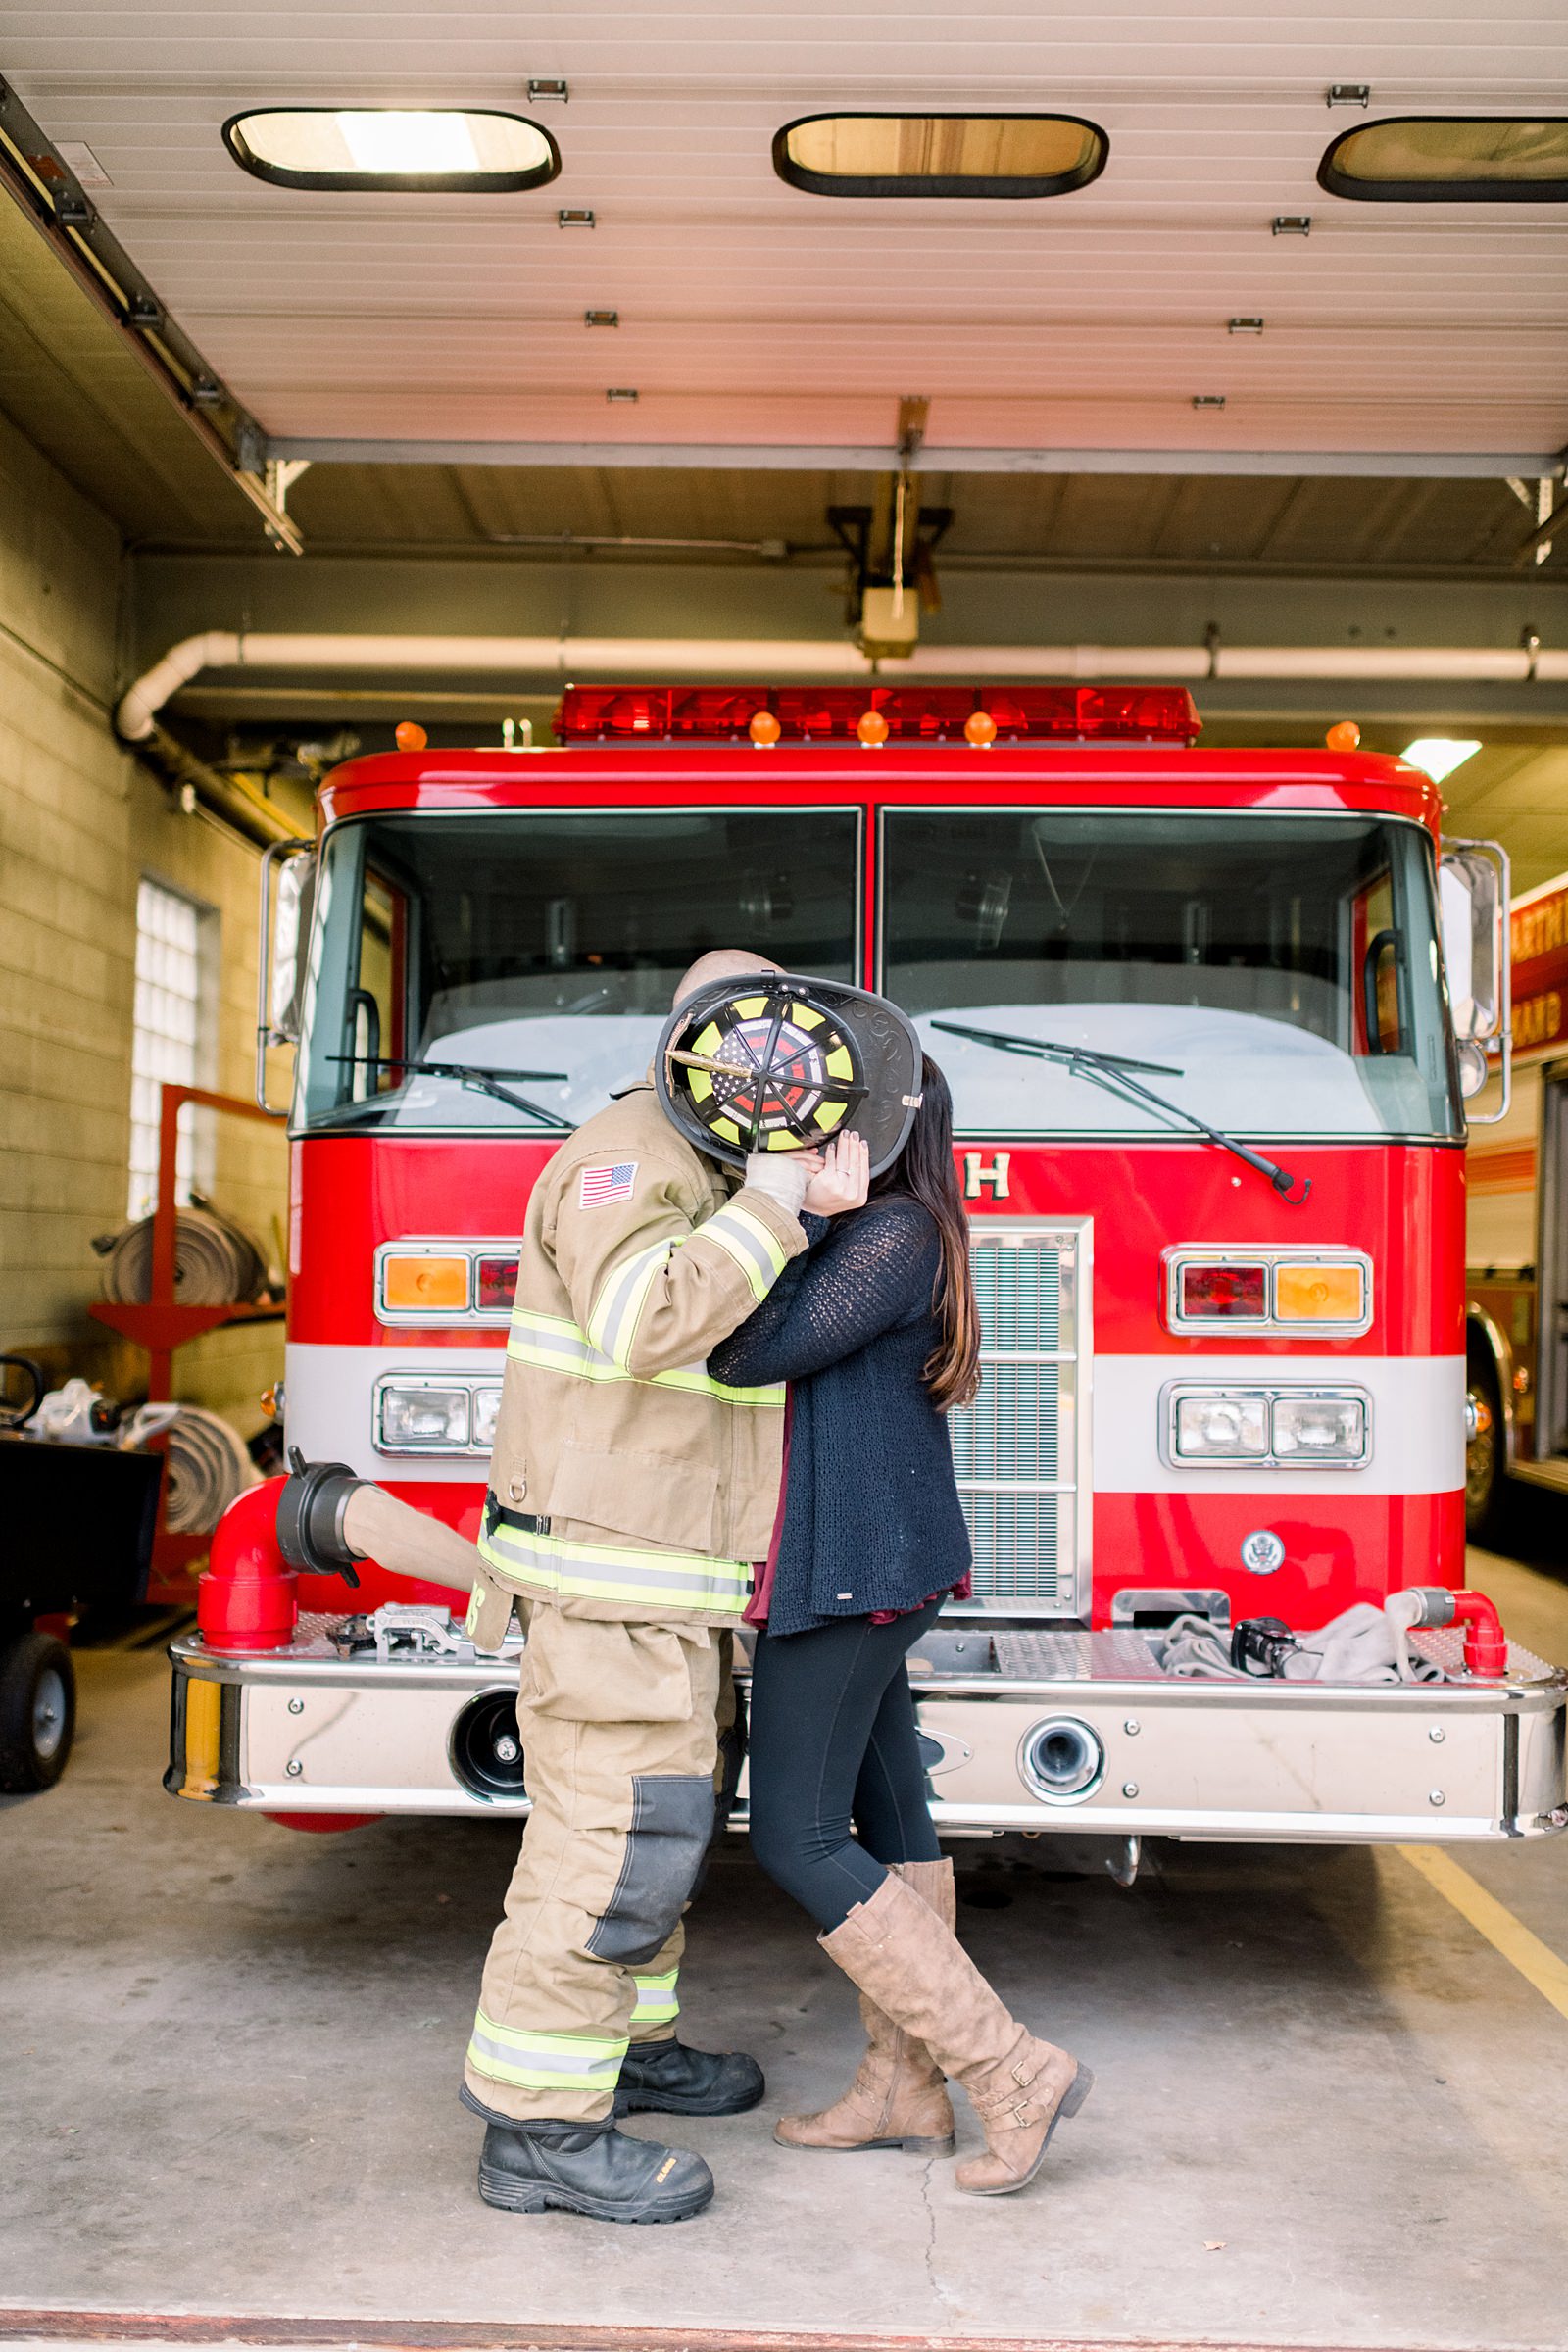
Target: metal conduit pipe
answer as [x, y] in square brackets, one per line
[781, 659]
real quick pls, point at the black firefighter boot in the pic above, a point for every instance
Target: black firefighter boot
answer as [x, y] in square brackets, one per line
[665, 2078]
[590, 2169]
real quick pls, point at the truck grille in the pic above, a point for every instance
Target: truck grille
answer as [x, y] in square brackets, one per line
[1017, 1447]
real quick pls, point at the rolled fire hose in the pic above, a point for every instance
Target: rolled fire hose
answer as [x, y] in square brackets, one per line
[216, 1262]
[397, 1537]
[205, 1466]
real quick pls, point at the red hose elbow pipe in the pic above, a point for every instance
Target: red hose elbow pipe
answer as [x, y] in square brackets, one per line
[1486, 1644]
[245, 1598]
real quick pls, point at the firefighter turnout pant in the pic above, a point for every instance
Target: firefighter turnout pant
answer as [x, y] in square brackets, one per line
[620, 1733]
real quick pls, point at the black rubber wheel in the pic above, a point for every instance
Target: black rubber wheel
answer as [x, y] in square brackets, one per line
[1487, 1494]
[37, 1712]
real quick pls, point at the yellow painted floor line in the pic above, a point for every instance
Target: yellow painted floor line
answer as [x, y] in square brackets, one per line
[1524, 1950]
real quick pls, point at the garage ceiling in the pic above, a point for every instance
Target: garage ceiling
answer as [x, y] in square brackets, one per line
[756, 317]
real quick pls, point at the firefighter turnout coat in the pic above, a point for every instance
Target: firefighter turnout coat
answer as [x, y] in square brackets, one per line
[630, 1496]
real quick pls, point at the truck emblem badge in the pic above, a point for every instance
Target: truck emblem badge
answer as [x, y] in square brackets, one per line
[1262, 1551]
[976, 1173]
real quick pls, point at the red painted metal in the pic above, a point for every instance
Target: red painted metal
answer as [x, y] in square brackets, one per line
[161, 1324]
[356, 1191]
[1338, 1548]
[655, 775]
[1486, 1646]
[321, 1824]
[246, 1599]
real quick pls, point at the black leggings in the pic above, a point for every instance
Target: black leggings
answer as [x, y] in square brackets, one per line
[833, 1739]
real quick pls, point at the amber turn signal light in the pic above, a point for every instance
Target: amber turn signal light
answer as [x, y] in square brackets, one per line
[1319, 1293]
[409, 1283]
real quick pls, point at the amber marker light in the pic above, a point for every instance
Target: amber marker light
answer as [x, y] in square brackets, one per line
[1319, 1293]
[764, 730]
[1343, 736]
[980, 729]
[411, 1283]
[871, 727]
[410, 736]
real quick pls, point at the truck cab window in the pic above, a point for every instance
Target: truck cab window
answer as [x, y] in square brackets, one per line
[544, 943]
[1283, 972]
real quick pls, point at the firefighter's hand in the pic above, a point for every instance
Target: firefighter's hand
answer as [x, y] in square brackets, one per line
[845, 1180]
[783, 1176]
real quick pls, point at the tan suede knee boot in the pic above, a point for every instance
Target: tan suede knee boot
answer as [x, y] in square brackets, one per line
[912, 1967]
[898, 2098]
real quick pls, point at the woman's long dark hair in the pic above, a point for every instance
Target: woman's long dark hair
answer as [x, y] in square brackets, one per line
[924, 1169]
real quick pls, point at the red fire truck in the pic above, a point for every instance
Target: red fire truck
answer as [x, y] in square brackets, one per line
[1517, 1318]
[1218, 1228]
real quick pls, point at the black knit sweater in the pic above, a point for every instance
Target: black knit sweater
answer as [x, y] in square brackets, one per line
[871, 1514]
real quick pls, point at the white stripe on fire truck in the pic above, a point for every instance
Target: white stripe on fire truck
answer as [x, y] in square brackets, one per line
[1417, 1407]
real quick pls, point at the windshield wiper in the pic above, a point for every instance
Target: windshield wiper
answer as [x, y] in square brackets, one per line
[476, 1076]
[1109, 1070]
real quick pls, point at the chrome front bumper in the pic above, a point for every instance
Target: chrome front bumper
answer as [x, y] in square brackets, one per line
[304, 1730]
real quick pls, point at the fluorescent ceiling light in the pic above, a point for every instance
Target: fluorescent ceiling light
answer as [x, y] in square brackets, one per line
[408, 142]
[1438, 755]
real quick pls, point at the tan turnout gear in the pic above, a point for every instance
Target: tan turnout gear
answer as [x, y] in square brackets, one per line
[619, 1736]
[629, 1497]
[625, 1484]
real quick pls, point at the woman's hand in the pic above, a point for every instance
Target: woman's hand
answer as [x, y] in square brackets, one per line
[845, 1180]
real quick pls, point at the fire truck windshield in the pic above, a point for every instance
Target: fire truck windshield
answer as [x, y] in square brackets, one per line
[1284, 968]
[454, 957]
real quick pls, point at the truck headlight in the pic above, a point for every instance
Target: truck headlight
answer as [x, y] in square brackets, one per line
[486, 1411]
[1271, 1428]
[417, 1416]
[1230, 1425]
[1324, 1428]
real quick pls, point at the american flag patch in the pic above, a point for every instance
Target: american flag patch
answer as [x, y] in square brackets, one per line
[599, 1187]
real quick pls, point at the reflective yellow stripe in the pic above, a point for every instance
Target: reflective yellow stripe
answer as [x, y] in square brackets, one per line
[742, 1235]
[656, 2001]
[550, 1344]
[544, 2061]
[664, 1580]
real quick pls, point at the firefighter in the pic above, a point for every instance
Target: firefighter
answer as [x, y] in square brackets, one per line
[630, 1494]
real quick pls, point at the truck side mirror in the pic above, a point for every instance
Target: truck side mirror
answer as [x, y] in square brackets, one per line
[288, 895]
[1473, 908]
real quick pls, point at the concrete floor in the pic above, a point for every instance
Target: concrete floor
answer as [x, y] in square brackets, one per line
[1328, 2112]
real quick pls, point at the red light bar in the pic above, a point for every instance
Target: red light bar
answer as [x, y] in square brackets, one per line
[914, 714]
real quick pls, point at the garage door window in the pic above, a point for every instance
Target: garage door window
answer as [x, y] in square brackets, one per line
[940, 155]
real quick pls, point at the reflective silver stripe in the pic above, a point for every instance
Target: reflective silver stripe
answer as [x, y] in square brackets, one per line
[590, 1571]
[553, 1344]
[748, 1240]
[658, 2003]
[744, 1238]
[620, 1303]
[544, 2061]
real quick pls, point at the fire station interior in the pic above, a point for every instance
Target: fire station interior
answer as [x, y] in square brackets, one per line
[868, 397]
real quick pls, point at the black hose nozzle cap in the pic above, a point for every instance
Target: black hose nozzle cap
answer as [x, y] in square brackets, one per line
[309, 1517]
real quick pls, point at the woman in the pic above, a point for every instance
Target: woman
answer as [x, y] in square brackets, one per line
[877, 1332]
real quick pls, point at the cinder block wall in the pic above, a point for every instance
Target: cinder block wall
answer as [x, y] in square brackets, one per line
[80, 822]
